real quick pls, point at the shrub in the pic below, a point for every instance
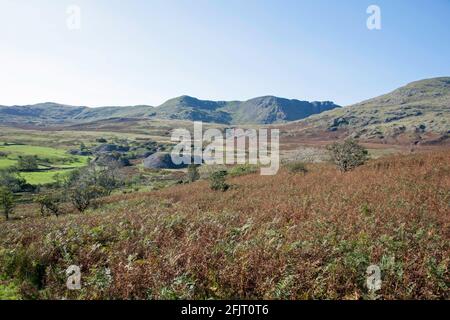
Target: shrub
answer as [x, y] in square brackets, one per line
[217, 181]
[27, 163]
[11, 180]
[193, 174]
[296, 167]
[348, 155]
[7, 202]
[242, 169]
[9, 292]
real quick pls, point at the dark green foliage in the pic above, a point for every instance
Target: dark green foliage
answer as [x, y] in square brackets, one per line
[83, 147]
[25, 267]
[13, 181]
[348, 155]
[193, 174]
[7, 202]
[217, 181]
[27, 163]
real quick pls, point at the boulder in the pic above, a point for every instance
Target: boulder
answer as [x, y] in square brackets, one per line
[161, 160]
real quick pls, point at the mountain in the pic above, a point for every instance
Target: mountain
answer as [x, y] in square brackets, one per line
[49, 111]
[419, 108]
[263, 110]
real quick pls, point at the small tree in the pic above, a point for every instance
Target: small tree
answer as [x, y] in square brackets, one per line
[348, 154]
[49, 204]
[193, 174]
[82, 196]
[83, 147]
[217, 181]
[11, 180]
[27, 163]
[7, 202]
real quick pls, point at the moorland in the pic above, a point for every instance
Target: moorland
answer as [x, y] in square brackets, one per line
[82, 194]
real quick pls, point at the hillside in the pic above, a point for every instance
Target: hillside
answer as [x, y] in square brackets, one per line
[263, 110]
[288, 236]
[411, 112]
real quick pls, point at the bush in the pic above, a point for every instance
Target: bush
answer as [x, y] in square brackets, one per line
[9, 292]
[7, 202]
[193, 174]
[296, 167]
[217, 181]
[11, 180]
[27, 163]
[242, 169]
[348, 155]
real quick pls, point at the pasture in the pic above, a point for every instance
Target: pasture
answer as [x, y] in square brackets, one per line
[51, 161]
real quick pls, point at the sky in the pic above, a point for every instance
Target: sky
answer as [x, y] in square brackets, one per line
[147, 51]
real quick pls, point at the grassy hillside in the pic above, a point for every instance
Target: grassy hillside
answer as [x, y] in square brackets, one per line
[412, 111]
[289, 236]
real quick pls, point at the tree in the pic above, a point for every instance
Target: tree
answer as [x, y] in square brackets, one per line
[87, 184]
[49, 203]
[82, 196]
[217, 181]
[11, 180]
[348, 154]
[27, 163]
[7, 202]
[107, 181]
[83, 147]
[193, 174]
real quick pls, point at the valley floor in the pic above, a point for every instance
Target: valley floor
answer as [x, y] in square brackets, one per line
[289, 236]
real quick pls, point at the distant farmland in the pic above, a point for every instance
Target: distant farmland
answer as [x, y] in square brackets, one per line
[51, 161]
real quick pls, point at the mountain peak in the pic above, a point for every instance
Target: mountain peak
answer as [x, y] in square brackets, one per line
[261, 110]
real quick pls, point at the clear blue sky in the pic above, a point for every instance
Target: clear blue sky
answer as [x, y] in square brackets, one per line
[145, 52]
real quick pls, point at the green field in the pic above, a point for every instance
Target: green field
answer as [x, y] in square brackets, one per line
[56, 161]
[42, 177]
[6, 163]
